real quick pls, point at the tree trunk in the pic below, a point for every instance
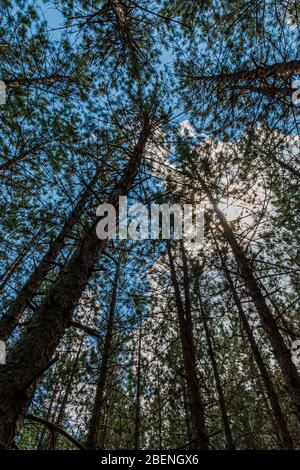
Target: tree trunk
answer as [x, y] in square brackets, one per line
[281, 70]
[67, 392]
[226, 423]
[286, 166]
[33, 353]
[196, 409]
[43, 434]
[269, 90]
[32, 81]
[94, 440]
[187, 415]
[11, 318]
[280, 350]
[18, 261]
[279, 418]
[137, 421]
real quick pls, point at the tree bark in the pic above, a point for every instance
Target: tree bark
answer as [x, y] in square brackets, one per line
[94, 439]
[281, 70]
[280, 350]
[196, 409]
[269, 90]
[286, 166]
[66, 395]
[34, 351]
[279, 418]
[137, 421]
[11, 318]
[32, 81]
[222, 403]
[18, 261]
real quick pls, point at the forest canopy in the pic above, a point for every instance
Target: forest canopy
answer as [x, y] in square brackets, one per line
[138, 342]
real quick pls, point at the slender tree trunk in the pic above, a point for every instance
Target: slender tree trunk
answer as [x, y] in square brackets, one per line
[120, 12]
[11, 318]
[160, 415]
[282, 70]
[18, 261]
[68, 391]
[196, 409]
[278, 415]
[94, 440]
[33, 81]
[187, 415]
[270, 413]
[41, 439]
[107, 411]
[286, 166]
[137, 421]
[270, 91]
[226, 423]
[280, 350]
[32, 354]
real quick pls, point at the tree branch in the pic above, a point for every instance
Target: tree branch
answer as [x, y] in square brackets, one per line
[54, 428]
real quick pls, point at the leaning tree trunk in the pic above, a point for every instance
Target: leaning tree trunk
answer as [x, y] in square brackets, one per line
[32, 354]
[280, 350]
[280, 70]
[11, 318]
[222, 403]
[195, 405]
[278, 415]
[41, 445]
[66, 396]
[270, 91]
[14, 266]
[94, 439]
[286, 166]
[137, 420]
